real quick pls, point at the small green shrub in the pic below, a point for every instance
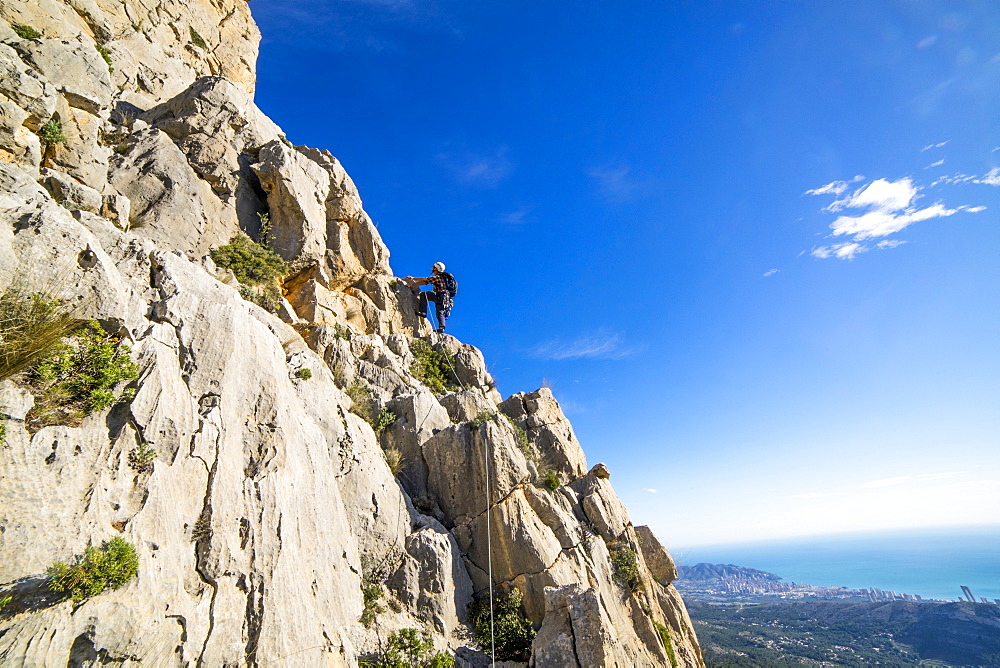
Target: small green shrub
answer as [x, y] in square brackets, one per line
[4, 601]
[25, 32]
[480, 420]
[251, 263]
[3, 436]
[31, 329]
[409, 648]
[385, 418]
[371, 594]
[304, 374]
[341, 332]
[522, 435]
[197, 39]
[110, 567]
[141, 457]
[268, 297]
[394, 283]
[512, 633]
[551, 480]
[625, 566]
[284, 140]
[264, 236]
[106, 55]
[51, 132]
[363, 400]
[432, 367]
[667, 643]
[79, 377]
[394, 458]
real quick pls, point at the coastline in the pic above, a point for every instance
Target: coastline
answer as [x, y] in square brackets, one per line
[932, 562]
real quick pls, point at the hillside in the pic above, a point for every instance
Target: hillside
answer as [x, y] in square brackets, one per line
[304, 469]
[898, 633]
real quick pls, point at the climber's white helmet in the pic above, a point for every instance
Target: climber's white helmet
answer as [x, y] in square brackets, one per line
[438, 267]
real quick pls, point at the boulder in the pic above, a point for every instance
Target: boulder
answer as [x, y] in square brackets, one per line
[170, 205]
[661, 565]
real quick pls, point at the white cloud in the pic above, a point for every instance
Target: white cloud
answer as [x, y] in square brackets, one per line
[886, 482]
[882, 223]
[845, 251]
[953, 178]
[938, 145]
[880, 195]
[477, 169]
[771, 272]
[889, 243]
[935, 164]
[976, 209]
[834, 188]
[617, 183]
[600, 345]
[516, 217]
[652, 491]
[992, 177]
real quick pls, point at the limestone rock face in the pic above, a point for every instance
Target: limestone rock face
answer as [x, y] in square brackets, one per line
[309, 493]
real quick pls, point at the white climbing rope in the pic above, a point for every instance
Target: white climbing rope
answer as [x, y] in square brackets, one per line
[489, 552]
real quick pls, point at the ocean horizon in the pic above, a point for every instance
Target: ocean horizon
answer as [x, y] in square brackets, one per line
[929, 562]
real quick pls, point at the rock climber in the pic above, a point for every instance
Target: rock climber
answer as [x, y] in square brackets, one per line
[444, 287]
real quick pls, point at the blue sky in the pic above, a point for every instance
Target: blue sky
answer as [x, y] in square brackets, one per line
[752, 246]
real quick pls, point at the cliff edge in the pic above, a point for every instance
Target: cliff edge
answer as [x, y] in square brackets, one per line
[302, 475]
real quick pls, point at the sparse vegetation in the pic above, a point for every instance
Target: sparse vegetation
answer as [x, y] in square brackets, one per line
[394, 458]
[106, 55]
[432, 367]
[256, 267]
[625, 566]
[409, 648]
[251, 263]
[197, 39]
[304, 374]
[141, 457]
[25, 32]
[109, 567]
[341, 332]
[78, 378]
[511, 634]
[480, 420]
[51, 132]
[4, 601]
[551, 480]
[384, 418]
[667, 643]
[371, 593]
[363, 399]
[3, 433]
[394, 283]
[522, 435]
[264, 236]
[284, 140]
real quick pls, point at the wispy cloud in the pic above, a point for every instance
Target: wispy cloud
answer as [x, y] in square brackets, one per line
[516, 217]
[938, 145]
[599, 345]
[886, 482]
[652, 491]
[484, 170]
[771, 272]
[617, 183]
[879, 209]
[937, 163]
[991, 178]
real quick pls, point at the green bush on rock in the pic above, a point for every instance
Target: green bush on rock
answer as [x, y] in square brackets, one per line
[78, 378]
[432, 367]
[109, 567]
[511, 632]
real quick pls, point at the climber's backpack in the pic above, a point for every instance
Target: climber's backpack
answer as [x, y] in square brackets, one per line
[450, 284]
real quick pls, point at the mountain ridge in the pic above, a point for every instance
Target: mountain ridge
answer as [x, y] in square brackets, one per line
[270, 520]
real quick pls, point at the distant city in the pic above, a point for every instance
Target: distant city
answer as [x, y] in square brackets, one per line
[726, 583]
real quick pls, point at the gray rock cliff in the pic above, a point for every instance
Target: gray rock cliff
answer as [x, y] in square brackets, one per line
[273, 504]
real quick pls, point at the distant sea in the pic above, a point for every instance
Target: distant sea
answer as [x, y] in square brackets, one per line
[933, 563]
